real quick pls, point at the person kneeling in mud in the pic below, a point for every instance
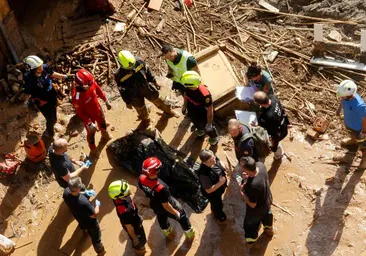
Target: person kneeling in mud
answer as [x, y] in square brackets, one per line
[128, 214]
[163, 204]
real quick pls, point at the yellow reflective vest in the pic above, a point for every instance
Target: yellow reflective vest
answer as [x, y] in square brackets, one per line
[179, 68]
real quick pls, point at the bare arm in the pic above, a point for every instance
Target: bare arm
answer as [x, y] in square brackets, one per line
[169, 208]
[76, 173]
[96, 212]
[210, 114]
[267, 87]
[217, 185]
[131, 231]
[58, 75]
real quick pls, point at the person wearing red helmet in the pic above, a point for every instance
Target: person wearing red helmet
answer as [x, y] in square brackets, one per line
[85, 101]
[161, 201]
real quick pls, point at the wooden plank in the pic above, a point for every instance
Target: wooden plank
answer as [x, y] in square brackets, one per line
[155, 4]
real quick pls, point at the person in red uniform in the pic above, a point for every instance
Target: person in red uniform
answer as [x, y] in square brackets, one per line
[198, 104]
[85, 101]
[128, 214]
[163, 204]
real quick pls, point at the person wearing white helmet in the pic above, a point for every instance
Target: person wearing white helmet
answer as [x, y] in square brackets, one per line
[39, 88]
[354, 109]
[135, 83]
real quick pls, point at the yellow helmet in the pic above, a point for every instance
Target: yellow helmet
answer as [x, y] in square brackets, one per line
[126, 59]
[191, 79]
[118, 188]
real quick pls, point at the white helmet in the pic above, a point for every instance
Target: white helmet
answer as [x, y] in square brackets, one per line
[346, 88]
[33, 61]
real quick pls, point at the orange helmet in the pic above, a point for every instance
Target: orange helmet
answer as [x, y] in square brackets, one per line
[84, 77]
[151, 166]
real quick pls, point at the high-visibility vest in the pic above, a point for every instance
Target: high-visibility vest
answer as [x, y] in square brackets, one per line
[181, 67]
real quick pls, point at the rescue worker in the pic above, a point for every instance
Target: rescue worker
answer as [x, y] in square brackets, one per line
[128, 214]
[198, 103]
[39, 88]
[256, 193]
[161, 202]
[354, 109]
[179, 61]
[84, 212]
[259, 79]
[213, 180]
[273, 118]
[243, 146]
[85, 101]
[135, 83]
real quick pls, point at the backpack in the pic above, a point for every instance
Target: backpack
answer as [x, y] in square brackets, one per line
[262, 143]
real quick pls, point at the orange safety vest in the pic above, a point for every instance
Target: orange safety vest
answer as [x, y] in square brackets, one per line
[37, 152]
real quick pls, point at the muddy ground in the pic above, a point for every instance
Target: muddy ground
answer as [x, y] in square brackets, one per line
[321, 219]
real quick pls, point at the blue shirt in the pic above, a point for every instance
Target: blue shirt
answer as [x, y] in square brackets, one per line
[259, 85]
[354, 111]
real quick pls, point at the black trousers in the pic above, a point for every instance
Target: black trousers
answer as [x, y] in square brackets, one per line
[252, 224]
[163, 216]
[215, 199]
[198, 116]
[49, 112]
[140, 233]
[96, 237]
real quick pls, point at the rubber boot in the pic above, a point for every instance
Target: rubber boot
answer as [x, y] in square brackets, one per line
[168, 233]
[144, 116]
[362, 165]
[346, 158]
[348, 142]
[189, 234]
[160, 104]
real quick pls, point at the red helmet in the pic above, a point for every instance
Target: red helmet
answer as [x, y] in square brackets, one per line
[84, 77]
[151, 166]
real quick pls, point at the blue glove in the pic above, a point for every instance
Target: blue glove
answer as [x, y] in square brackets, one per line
[90, 192]
[97, 202]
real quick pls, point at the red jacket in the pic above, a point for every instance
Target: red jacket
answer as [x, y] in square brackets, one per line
[86, 102]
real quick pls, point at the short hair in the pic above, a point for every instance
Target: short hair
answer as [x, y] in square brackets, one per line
[261, 98]
[233, 123]
[167, 48]
[206, 154]
[253, 70]
[75, 183]
[248, 163]
[59, 144]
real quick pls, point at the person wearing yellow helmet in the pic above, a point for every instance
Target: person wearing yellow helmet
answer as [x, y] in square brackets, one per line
[135, 83]
[128, 214]
[199, 107]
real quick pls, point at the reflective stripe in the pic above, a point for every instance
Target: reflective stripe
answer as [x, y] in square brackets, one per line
[181, 67]
[267, 227]
[251, 240]
[124, 78]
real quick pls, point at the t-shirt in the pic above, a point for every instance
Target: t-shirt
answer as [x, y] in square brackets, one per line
[60, 165]
[40, 87]
[209, 176]
[127, 211]
[81, 208]
[273, 118]
[258, 191]
[354, 111]
[259, 85]
[191, 61]
[244, 147]
[199, 97]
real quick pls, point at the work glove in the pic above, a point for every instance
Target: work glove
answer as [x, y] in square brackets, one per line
[184, 110]
[90, 193]
[92, 127]
[108, 104]
[26, 104]
[209, 127]
[97, 202]
[88, 163]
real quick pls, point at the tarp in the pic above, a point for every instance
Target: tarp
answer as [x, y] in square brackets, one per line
[177, 171]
